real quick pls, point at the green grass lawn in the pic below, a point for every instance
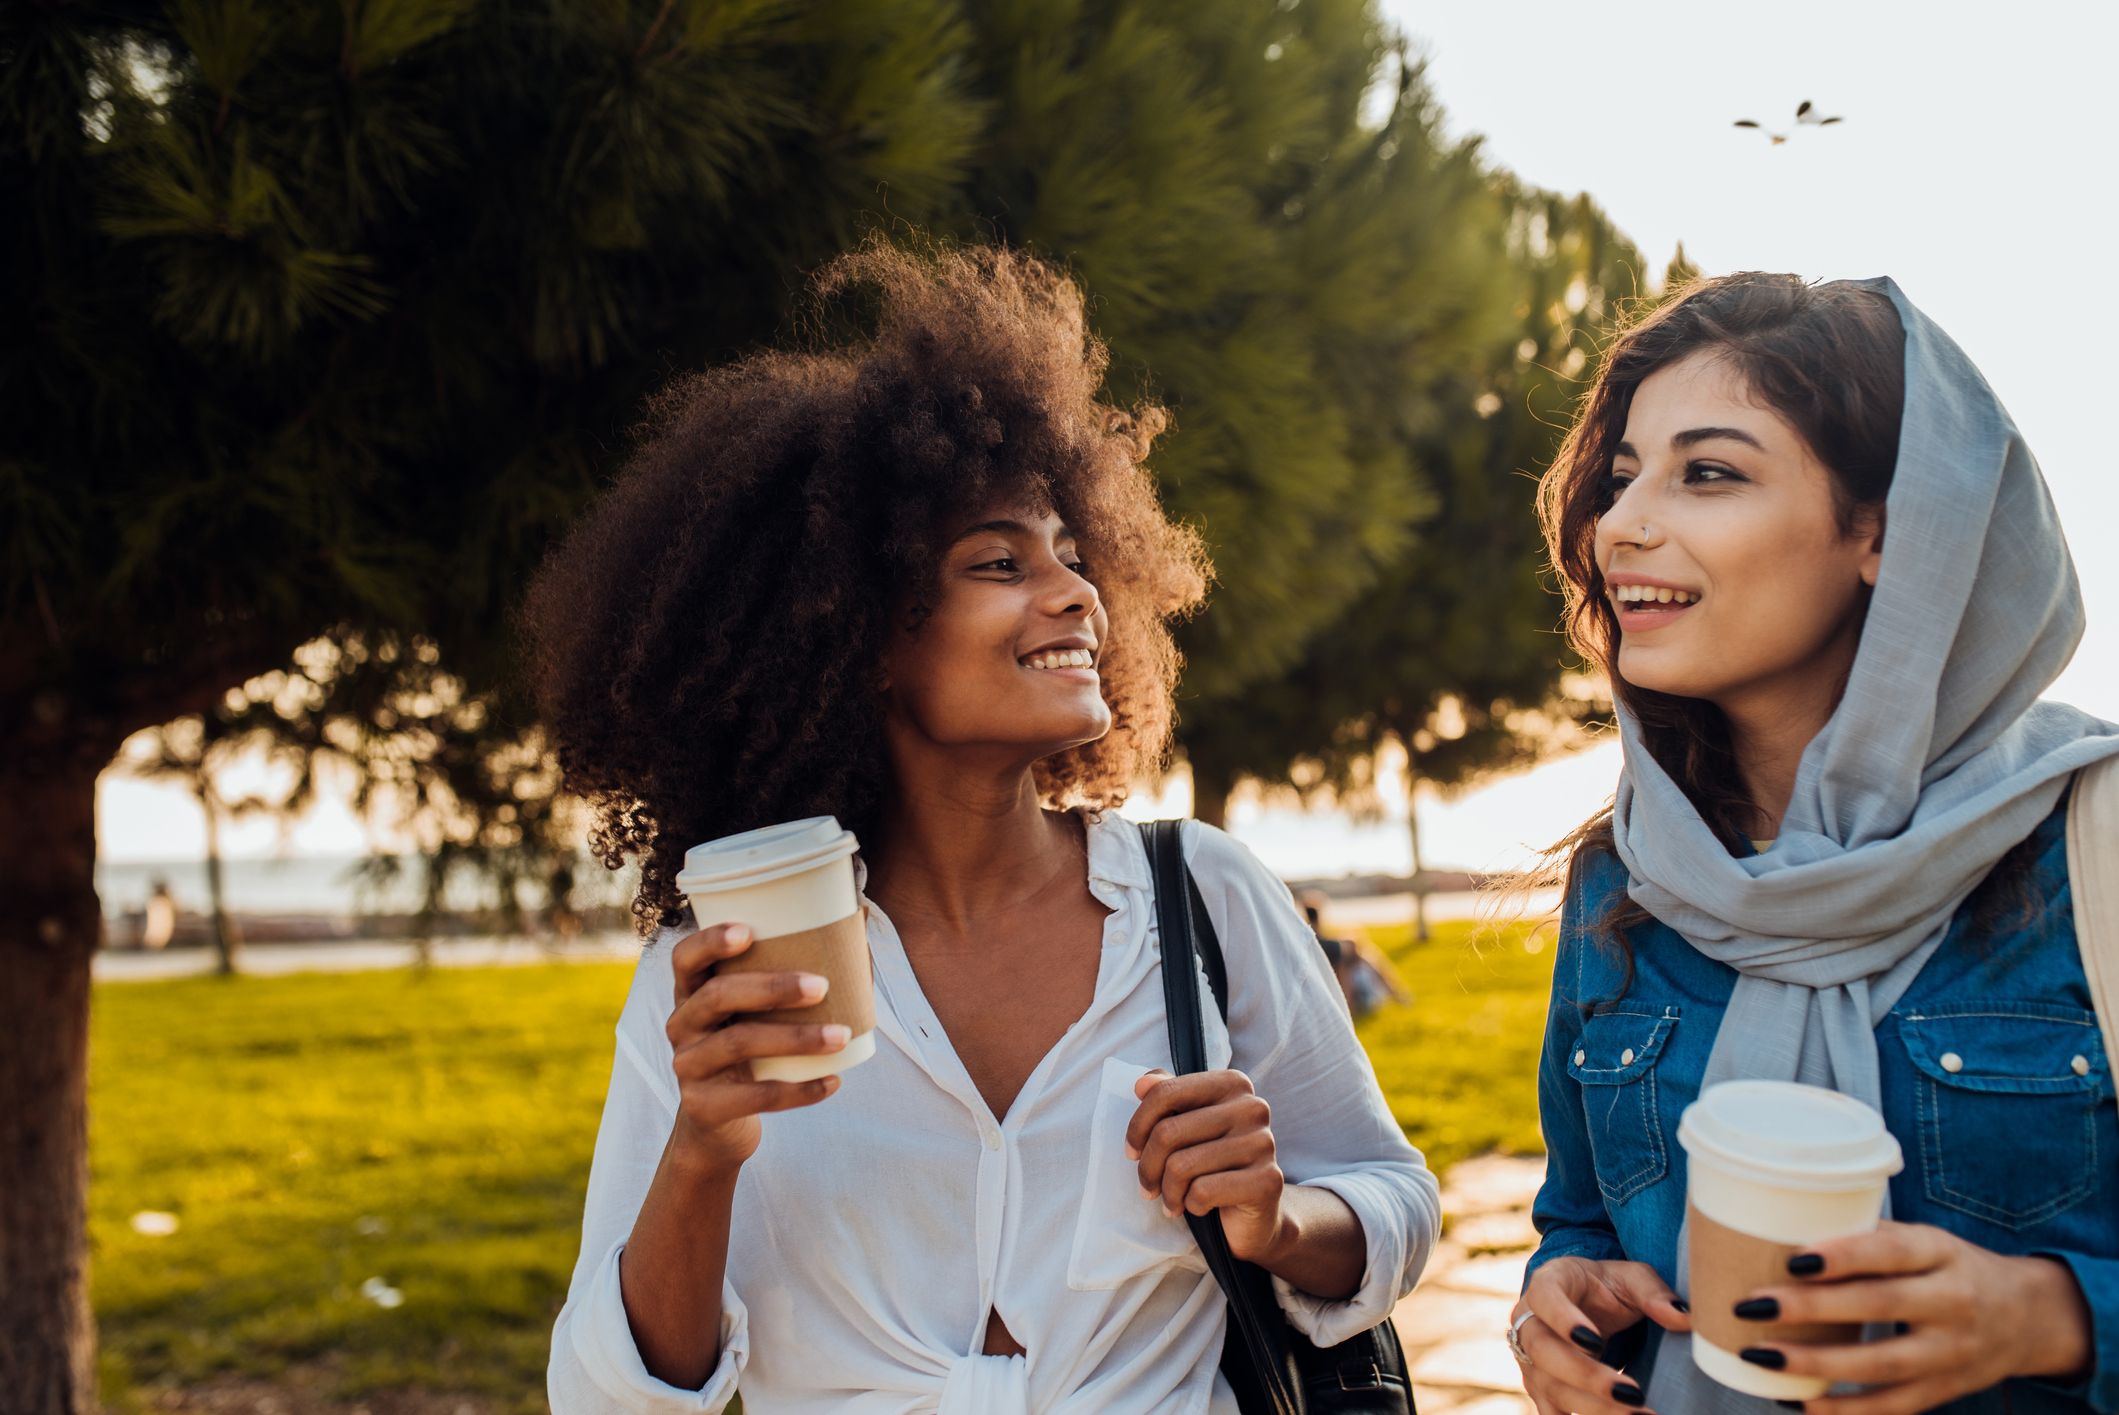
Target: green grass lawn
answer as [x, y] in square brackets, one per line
[1460, 1063]
[312, 1132]
[433, 1130]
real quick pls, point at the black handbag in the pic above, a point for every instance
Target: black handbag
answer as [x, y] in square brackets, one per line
[1273, 1368]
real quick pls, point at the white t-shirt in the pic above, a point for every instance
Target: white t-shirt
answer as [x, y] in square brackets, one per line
[873, 1232]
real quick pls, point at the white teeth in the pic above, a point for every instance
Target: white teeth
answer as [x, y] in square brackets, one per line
[1062, 658]
[1652, 594]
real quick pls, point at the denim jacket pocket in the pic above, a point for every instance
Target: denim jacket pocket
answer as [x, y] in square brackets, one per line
[2008, 1096]
[1614, 1063]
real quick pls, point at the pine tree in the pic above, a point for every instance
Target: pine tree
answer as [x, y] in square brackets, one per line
[324, 319]
[1453, 655]
[1265, 257]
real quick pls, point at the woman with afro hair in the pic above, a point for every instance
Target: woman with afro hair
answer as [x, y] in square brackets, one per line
[918, 578]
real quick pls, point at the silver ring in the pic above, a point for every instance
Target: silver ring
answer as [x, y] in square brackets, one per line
[1515, 1339]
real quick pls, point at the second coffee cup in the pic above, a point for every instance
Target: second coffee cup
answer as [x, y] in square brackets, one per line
[1772, 1167]
[792, 885]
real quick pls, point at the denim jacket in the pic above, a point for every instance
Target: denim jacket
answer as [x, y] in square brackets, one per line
[1995, 1083]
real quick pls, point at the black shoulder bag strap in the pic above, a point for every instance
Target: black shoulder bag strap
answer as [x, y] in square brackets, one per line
[1256, 1358]
[1272, 1368]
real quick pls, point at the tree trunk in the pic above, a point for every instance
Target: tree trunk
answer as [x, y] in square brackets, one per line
[49, 932]
[225, 939]
[1210, 795]
[1412, 829]
[436, 877]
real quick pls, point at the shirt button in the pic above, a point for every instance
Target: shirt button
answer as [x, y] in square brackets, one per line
[993, 1139]
[1952, 1062]
[2081, 1065]
[1626, 1057]
[1580, 1057]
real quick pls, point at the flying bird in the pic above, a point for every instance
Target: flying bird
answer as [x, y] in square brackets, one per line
[1806, 116]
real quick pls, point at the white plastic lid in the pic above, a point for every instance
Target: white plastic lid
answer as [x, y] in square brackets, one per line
[765, 853]
[1800, 1137]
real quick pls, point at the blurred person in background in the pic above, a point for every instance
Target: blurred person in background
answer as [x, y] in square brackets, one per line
[158, 924]
[1365, 976]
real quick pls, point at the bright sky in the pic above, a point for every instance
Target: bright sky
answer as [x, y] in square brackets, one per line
[1975, 166]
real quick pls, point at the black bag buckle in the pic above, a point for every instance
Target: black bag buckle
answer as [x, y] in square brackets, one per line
[1360, 1375]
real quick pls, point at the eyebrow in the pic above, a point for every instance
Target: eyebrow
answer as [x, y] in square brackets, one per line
[1693, 436]
[1010, 528]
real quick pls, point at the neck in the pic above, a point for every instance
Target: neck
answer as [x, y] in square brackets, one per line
[1769, 729]
[962, 841]
[1768, 752]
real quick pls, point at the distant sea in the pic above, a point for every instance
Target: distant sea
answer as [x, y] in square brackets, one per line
[320, 884]
[1295, 844]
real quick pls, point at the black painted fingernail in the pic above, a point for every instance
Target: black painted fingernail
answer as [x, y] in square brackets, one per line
[1588, 1340]
[1789, 1404]
[1681, 1304]
[1806, 1264]
[1759, 1309]
[1627, 1393]
[1764, 1356]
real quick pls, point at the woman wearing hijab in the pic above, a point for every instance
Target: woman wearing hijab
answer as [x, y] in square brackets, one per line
[1826, 580]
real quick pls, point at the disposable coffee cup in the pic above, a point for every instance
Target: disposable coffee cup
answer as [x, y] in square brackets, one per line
[792, 885]
[1773, 1167]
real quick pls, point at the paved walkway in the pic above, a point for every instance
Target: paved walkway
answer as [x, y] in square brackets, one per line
[1452, 1323]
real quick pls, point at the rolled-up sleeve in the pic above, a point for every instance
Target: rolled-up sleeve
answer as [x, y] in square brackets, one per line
[595, 1364]
[2099, 1280]
[1332, 1128]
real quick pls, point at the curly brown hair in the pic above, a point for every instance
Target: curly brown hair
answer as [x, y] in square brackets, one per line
[705, 646]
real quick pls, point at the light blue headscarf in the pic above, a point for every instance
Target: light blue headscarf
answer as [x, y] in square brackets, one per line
[1938, 759]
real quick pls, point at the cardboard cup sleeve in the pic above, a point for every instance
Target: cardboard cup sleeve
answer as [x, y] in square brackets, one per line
[1727, 1267]
[838, 951]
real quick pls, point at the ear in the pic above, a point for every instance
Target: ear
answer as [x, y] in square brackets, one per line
[1870, 526]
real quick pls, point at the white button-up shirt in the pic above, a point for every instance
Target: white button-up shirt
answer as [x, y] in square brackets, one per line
[873, 1232]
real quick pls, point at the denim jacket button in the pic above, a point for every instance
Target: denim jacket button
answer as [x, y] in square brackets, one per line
[1626, 1057]
[1580, 1057]
[1952, 1062]
[2080, 1066]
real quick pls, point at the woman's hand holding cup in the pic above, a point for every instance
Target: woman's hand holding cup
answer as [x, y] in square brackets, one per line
[714, 1043]
[1568, 1309]
[1969, 1318]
